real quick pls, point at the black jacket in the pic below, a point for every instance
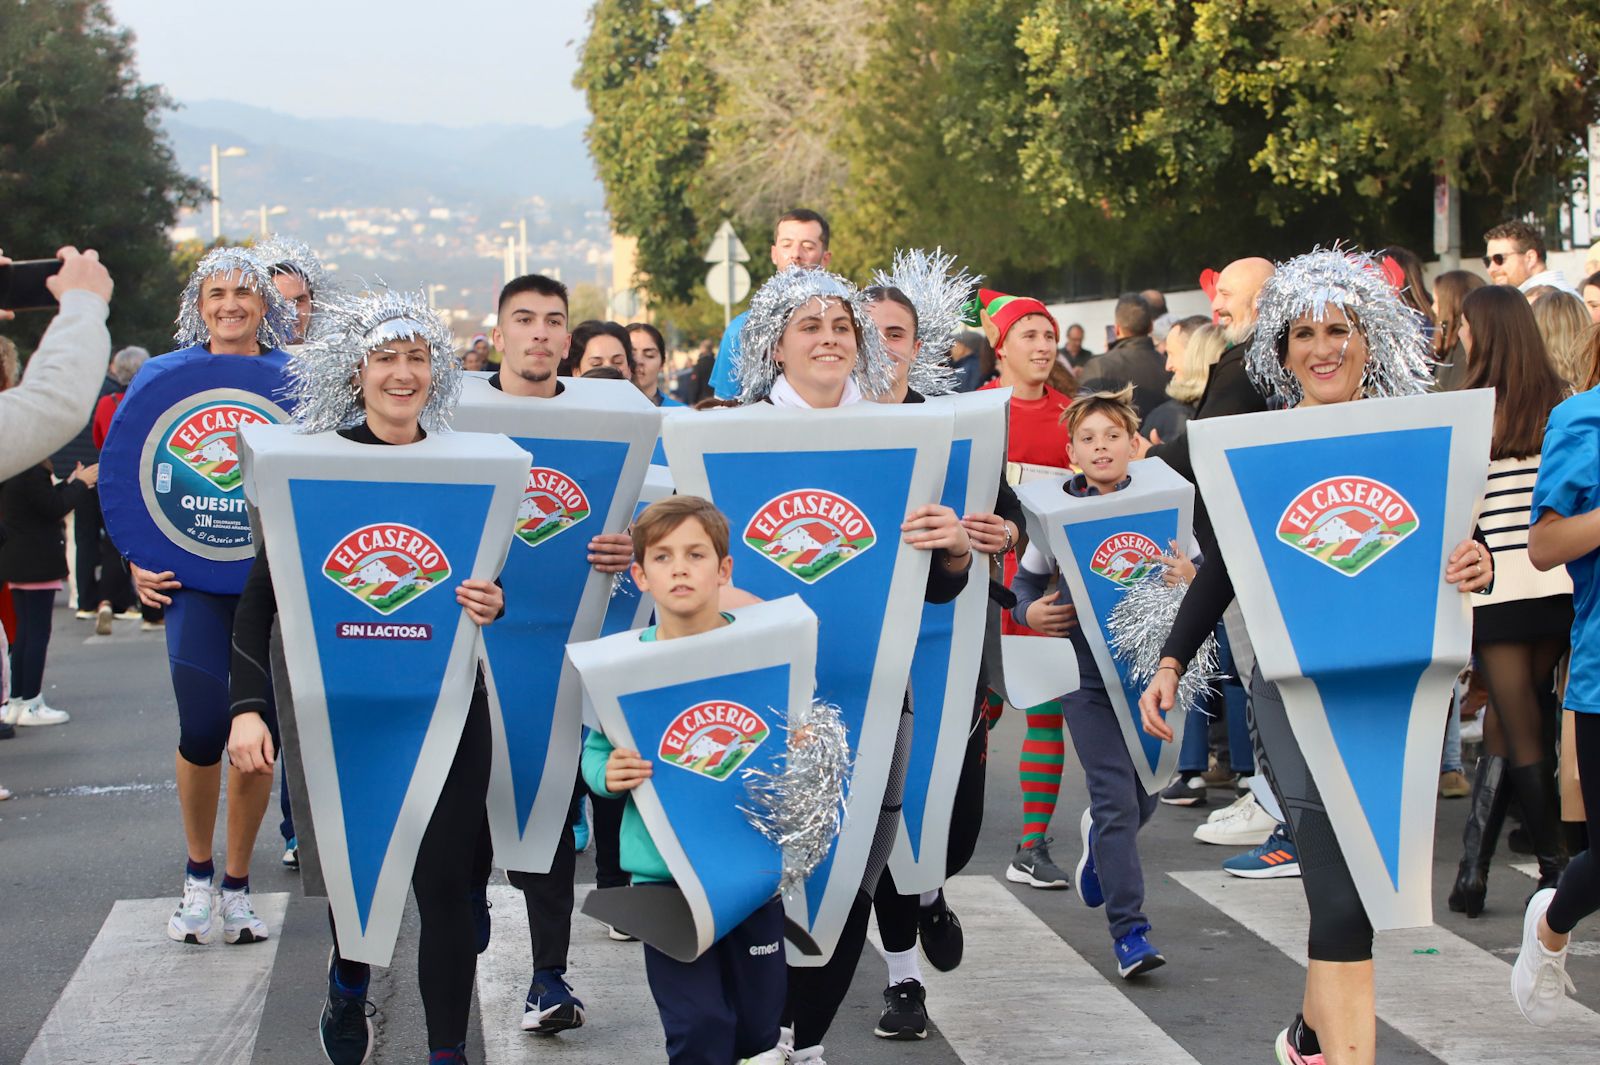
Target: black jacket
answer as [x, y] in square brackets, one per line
[32, 509]
[1135, 361]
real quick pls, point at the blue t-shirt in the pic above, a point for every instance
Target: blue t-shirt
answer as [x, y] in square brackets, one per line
[722, 382]
[659, 456]
[1569, 485]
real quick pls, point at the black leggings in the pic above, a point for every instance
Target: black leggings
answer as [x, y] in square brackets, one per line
[1340, 930]
[897, 913]
[1578, 894]
[1520, 678]
[452, 862]
[34, 610]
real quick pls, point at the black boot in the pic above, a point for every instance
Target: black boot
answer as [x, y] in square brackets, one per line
[1536, 790]
[1478, 839]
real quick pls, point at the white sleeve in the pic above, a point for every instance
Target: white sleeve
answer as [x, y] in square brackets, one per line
[58, 392]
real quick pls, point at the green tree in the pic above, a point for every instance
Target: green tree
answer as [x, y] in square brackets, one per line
[83, 161]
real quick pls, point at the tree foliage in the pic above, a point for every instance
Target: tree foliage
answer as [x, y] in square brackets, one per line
[1079, 145]
[83, 161]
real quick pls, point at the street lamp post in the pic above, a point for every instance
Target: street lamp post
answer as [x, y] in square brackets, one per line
[217, 155]
[521, 261]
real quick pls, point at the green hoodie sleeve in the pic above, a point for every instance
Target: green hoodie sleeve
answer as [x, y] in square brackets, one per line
[596, 751]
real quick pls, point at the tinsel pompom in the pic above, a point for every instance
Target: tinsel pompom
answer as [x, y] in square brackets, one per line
[940, 297]
[279, 251]
[278, 319]
[322, 372]
[801, 807]
[621, 585]
[770, 310]
[1139, 625]
[1398, 354]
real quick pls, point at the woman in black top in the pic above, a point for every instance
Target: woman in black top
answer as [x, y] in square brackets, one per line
[1332, 312]
[394, 372]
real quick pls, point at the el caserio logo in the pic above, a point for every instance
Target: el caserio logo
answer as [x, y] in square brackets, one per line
[386, 566]
[1347, 523]
[206, 440]
[712, 738]
[1124, 558]
[809, 532]
[552, 504]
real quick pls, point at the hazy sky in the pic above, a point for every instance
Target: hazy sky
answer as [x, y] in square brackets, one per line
[452, 62]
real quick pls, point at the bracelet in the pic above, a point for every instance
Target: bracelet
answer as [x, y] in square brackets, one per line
[948, 556]
[1010, 542]
[1175, 670]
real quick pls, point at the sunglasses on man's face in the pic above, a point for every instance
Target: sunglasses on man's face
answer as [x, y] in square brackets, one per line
[1497, 259]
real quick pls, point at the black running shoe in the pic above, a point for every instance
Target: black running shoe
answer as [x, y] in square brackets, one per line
[905, 1012]
[551, 1006]
[940, 932]
[1032, 866]
[1185, 790]
[346, 1024]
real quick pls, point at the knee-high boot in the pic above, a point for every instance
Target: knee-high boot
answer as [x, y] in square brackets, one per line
[1478, 839]
[1536, 791]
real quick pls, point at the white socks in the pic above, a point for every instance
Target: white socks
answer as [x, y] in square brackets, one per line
[928, 898]
[903, 965]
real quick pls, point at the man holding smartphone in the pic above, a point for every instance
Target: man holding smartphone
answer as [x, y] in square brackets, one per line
[58, 392]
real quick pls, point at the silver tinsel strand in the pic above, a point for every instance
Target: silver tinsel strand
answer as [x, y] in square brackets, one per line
[278, 320]
[1139, 625]
[1398, 361]
[938, 294]
[801, 807]
[278, 251]
[770, 310]
[322, 371]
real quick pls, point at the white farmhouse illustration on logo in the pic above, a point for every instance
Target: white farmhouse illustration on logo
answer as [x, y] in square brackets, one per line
[386, 565]
[1347, 523]
[809, 532]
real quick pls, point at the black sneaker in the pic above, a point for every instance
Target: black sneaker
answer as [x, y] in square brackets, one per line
[346, 1024]
[551, 1006]
[905, 1012]
[1032, 866]
[940, 932]
[1185, 790]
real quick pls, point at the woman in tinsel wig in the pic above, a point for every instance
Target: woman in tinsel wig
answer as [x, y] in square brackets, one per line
[383, 371]
[1330, 330]
[810, 343]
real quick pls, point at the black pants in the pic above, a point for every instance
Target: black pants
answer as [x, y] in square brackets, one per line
[451, 862]
[1340, 929]
[549, 898]
[726, 1004]
[1578, 894]
[34, 610]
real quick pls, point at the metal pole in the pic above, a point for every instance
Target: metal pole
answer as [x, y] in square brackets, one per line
[522, 245]
[216, 193]
[727, 299]
[263, 221]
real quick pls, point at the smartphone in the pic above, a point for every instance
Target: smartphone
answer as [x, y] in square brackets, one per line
[22, 285]
[1111, 336]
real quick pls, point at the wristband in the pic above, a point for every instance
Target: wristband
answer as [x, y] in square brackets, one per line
[1175, 670]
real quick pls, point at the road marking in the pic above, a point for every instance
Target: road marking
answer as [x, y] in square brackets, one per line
[608, 976]
[1096, 1021]
[1425, 976]
[139, 997]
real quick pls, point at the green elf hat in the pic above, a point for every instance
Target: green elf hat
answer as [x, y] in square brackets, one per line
[997, 312]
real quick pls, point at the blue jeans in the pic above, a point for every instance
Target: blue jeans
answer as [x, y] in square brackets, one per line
[1196, 738]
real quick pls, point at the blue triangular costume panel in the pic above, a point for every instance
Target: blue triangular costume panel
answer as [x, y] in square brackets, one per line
[1103, 544]
[1336, 523]
[703, 710]
[170, 479]
[944, 670]
[590, 446]
[367, 546]
[815, 499]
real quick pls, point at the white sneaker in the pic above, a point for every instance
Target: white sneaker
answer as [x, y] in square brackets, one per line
[11, 711]
[1248, 826]
[808, 1056]
[36, 712]
[613, 932]
[1231, 809]
[85, 615]
[191, 921]
[1539, 980]
[786, 1042]
[239, 921]
[102, 620]
[775, 1056]
[131, 614]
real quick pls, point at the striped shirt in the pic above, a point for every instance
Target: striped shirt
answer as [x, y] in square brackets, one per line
[1502, 518]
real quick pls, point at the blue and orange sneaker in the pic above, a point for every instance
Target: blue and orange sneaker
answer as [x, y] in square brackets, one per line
[1274, 858]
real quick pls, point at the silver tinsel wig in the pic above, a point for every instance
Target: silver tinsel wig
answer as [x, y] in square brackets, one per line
[770, 310]
[322, 372]
[801, 807]
[938, 295]
[279, 252]
[1397, 348]
[277, 320]
[1139, 625]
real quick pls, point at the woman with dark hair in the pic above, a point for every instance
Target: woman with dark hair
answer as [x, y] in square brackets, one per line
[596, 343]
[649, 356]
[1520, 627]
[1449, 358]
[1591, 296]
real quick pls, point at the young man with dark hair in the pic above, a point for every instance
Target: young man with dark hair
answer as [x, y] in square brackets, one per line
[799, 238]
[1514, 255]
[1132, 359]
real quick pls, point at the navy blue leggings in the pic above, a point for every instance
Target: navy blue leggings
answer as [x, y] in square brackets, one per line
[199, 648]
[33, 640]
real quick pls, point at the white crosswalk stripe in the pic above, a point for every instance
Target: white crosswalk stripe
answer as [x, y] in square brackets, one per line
[1449, 996]
[139, 997]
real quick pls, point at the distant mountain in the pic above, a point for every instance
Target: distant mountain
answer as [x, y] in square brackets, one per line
[307, 162]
